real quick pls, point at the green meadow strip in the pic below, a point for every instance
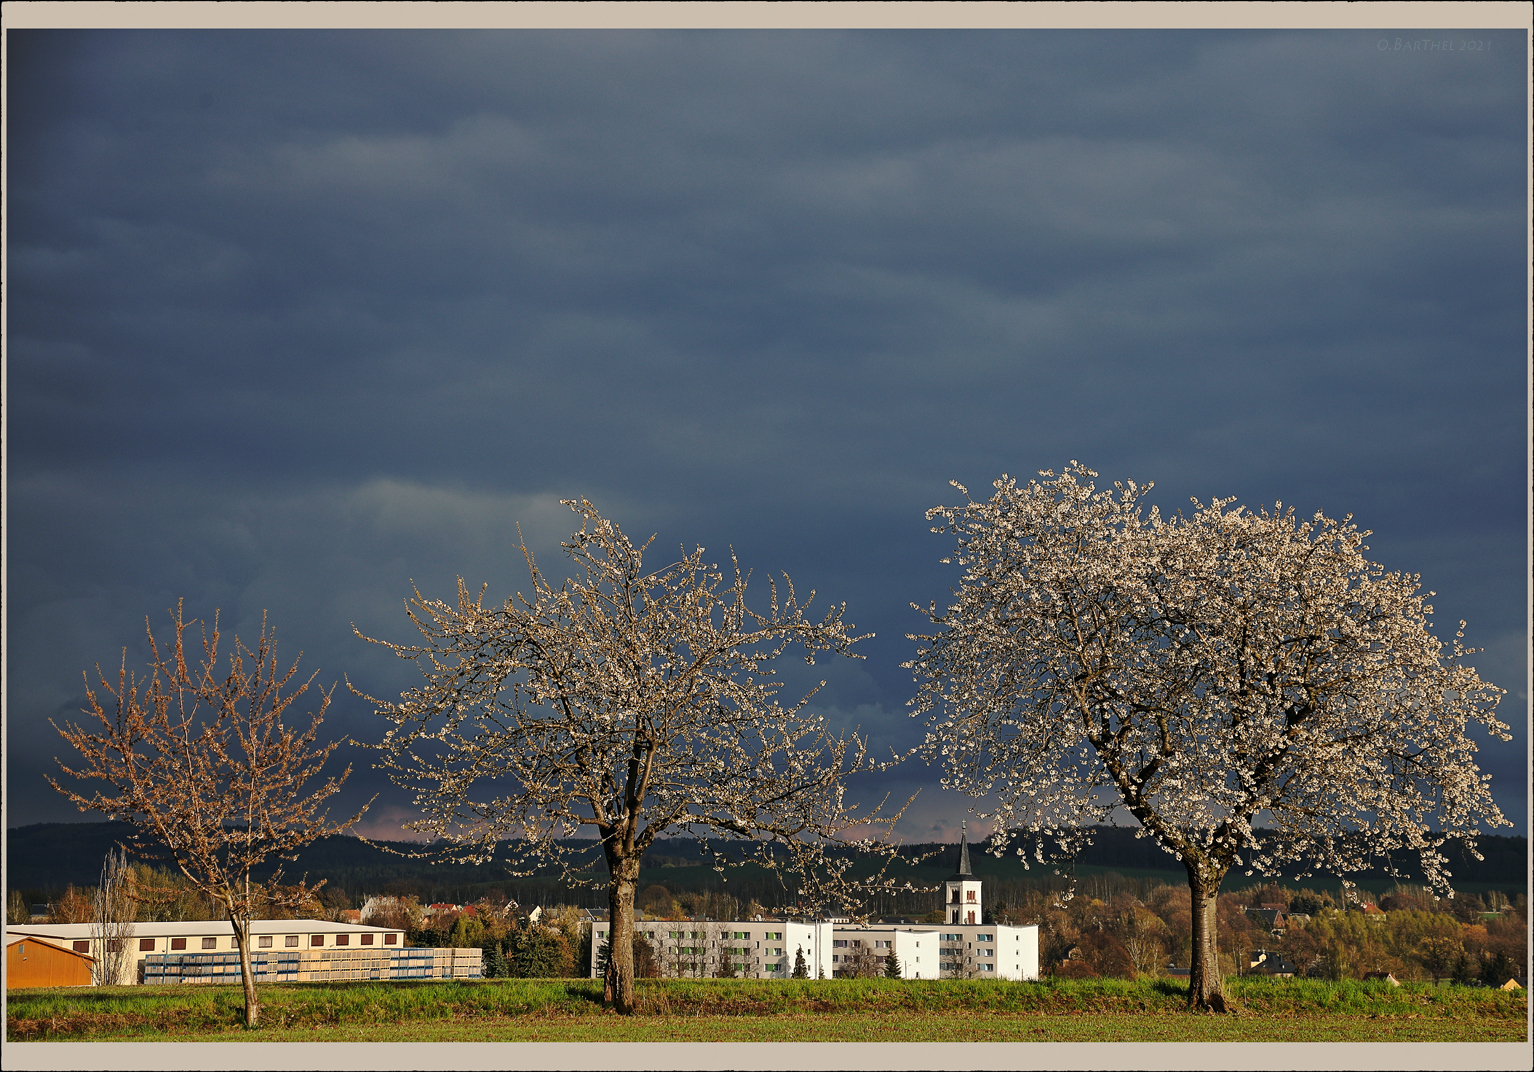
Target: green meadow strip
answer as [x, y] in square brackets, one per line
[178, 1011]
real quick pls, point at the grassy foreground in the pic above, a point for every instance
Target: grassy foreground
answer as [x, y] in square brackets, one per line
[570, 1010]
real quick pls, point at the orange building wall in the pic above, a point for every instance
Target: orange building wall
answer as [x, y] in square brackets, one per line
[29, 962]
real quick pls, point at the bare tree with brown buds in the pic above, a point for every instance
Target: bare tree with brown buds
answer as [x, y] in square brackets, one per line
[202, 762]
[638, 703]
[1248, 686]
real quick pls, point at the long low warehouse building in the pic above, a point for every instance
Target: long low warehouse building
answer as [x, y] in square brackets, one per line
[298, 950]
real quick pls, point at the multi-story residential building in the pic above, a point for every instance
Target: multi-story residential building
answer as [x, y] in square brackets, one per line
[755, 949]
[962, 947]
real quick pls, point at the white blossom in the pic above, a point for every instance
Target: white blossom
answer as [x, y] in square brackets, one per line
[641, 704]
[1199, 671]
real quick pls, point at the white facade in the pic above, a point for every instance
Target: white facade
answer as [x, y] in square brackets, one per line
[756, 949]
[941, 951]
[199, 936]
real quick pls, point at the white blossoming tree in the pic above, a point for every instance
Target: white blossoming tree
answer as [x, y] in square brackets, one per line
[1207, 673]
[636, 703]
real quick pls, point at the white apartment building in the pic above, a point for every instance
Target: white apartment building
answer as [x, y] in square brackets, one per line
[962, 952]
[962, 947]
[755, 949]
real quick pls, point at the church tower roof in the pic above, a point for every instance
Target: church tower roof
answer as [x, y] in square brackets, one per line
[964, 871]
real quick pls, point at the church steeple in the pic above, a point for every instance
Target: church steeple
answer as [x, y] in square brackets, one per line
[961, 893]
[964, 871]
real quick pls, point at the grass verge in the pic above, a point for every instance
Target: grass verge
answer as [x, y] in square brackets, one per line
[812, 1010]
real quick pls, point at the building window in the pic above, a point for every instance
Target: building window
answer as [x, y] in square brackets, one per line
[969, 895]
[265, 941]
[391, 939]
[146, 945]
[316, 939]
[367, 939]
[210, 943]
[82, 947]
[178, 943]
[290, 942]
[343, 939]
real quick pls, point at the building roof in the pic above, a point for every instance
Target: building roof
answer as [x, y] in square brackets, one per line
[13, 942]
[963, 871]
[72, 931]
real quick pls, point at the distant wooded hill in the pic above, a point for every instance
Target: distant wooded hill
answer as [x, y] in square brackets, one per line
[48, 856]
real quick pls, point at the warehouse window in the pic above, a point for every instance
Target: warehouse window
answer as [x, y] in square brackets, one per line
[265, 941]
[178, 943]
[367, 939]
[210, 943]
[343, 939]
[391, 939]
[291, 941]
[82, 947]
[316, 939]
[146, 945]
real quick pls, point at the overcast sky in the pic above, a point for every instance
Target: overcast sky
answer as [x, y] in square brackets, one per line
[298, 317]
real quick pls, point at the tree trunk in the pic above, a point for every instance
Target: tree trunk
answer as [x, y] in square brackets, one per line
[247, 977]
[1205, 984]
[618, 990]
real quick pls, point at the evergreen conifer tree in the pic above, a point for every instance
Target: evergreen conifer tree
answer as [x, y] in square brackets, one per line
[801, 970]
[892, 967]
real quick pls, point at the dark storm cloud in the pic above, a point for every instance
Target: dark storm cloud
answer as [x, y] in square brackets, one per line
[296, 317]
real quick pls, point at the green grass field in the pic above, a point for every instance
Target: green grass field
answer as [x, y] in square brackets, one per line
[845, 1010]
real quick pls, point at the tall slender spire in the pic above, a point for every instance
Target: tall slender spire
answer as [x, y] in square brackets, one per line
[964, 851]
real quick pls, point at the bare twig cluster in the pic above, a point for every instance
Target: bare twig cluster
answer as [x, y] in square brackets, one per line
[201, 759]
